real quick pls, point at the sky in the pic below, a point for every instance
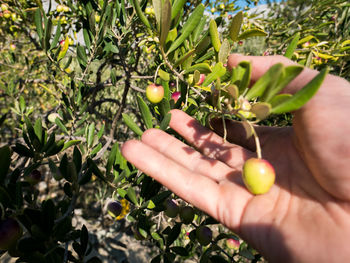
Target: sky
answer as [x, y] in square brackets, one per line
[242, 3]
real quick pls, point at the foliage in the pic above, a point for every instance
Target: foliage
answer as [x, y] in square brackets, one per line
[73, 80]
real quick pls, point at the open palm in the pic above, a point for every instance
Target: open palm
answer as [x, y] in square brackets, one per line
[305, 217]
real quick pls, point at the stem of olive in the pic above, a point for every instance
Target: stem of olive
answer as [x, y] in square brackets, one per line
[256, 137]
[224, 127]
[257, 141]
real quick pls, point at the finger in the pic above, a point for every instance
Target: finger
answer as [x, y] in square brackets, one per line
[236, 133]
[187, 156]
[207, 141]
[201, 191]
[260, 64]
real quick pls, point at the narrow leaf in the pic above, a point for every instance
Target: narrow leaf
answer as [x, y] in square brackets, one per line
[111, 158]
[224, 51]
[278, 99]
[165, 122]
[288, 74]
[56, 37]
[81, 55]
[176, 8]
[86, 38]
[201, 67]
[131, 124]
[61, 125]
[38, 23]
[188, 27]
[252, 33]
[165, 21]
[48, 30]
[157, 7]
[140, 14]
[302, 96]
[218, 71]
[235, 26]
[199, 29]
[132, 195]
[91, 134]
[262, 83]
[292, 46]
[214, 35]
[244, 83]
[70, 143]
[38, 129]
[145, 112]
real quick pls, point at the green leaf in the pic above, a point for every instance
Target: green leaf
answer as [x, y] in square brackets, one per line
[56, 37]
[48, 30]
[183, 58]
[285, 77]
[264, 81]
[165, 21]
[214, 35]
[244, 82]
[203, 45]
[82, 58]
[158, 238]
[171, 35]
[132, 195]
[91, 134]
[38, 23]
[188, 27]
[176, 8]
[38, 129]
[145, 112]
[201, 67]
[22, 104]
[224, 51]
[100, 132]
[199, 29]
[111, 158]
[70, 143]
[278, 99]
[165, 122]
[140, 14]
[261, 110]
[157, 7]
[302, 96]
[218, 71]
[292, 46]
[61, 125]
[87, 40]
[5, 161]
[131, 124]
[164, 75]
[95, 169]
[252, 33]
[235, 26]
[96, 149]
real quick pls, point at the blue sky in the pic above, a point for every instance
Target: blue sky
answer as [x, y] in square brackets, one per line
[243, 3]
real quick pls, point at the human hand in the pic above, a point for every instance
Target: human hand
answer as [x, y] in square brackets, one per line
[305, 217]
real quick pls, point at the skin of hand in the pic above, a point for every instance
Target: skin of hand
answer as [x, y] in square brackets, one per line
[305, 217]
